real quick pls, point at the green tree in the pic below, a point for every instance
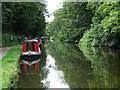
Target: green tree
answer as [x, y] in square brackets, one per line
[26, 18]
[105, 27]
[71, 21]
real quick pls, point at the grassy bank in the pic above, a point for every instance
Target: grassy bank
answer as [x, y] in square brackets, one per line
[9, 66]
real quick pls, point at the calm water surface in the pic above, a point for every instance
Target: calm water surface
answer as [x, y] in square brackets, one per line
[67, 66]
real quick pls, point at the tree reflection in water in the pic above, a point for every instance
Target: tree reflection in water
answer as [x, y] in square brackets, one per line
[71, 61]
[106, 68]
[67, 66]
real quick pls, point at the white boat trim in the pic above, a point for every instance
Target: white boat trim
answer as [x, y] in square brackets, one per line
[29, 63]
[31, 53]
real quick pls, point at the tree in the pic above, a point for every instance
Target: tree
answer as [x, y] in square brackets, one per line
[71, 21]
[25, 18]
[105, 28]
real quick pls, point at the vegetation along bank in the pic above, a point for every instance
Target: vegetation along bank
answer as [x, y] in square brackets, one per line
[9, 67]
[25, 19]
[87, 23]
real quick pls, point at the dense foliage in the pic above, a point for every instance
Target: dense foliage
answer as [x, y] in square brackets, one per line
[105, 27]
[68, 25]
[23, 18]
[6, 39]
[89, 23]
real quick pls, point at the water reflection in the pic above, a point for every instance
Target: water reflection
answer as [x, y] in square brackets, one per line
[71, 61]
[106, 68]
[67, 66]
[55, 78]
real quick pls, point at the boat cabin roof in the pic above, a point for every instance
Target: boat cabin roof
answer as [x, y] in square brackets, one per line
[30, 41]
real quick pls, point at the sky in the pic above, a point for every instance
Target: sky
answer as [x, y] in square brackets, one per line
[51, 7]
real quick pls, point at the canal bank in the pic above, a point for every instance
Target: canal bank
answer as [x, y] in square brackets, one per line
[4, 51]
[9, 68]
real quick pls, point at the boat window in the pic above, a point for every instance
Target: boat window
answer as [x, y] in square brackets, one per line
[30, 46]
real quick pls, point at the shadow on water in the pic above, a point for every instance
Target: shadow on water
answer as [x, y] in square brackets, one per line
[67, 66]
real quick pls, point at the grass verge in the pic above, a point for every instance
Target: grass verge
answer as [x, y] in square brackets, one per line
[8, 67]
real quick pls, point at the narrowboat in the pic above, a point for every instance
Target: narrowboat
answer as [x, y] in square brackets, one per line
[30, 55]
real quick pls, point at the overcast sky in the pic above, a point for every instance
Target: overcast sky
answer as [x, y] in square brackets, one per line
[52, 5]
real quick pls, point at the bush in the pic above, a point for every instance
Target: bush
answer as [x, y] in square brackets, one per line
[105, 30]
[6, 39]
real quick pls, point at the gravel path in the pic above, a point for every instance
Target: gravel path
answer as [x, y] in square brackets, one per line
[4, 51]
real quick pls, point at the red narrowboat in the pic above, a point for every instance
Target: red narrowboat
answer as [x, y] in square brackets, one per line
[30, 55]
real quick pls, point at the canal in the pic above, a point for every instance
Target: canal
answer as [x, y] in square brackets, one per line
[65, 65]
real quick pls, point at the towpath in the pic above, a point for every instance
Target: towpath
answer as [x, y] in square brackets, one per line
[4, 51]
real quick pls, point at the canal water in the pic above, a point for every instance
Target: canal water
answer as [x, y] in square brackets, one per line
[65, 65]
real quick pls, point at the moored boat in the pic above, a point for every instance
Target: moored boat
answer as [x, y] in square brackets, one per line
[30, 55]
